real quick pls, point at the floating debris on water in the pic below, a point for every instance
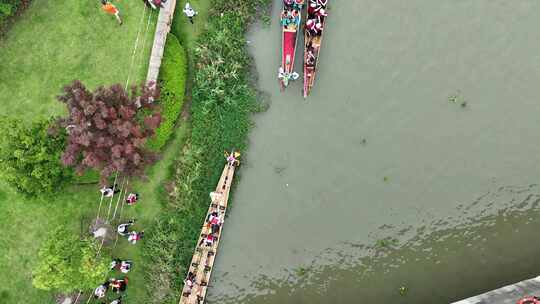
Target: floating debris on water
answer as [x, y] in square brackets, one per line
[279, 169]
[403, 290]
[458, 99]
[302, 271]
[386, 243]
[266, 20]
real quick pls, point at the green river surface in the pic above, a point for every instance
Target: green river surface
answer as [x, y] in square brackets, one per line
[381, 178]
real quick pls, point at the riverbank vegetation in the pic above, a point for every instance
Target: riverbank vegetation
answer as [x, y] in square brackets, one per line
[222, 103]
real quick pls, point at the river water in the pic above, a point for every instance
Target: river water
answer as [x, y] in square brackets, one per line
[413, 163]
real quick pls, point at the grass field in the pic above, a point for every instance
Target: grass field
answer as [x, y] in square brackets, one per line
[53, 43]
[183, 29]
[25, 223]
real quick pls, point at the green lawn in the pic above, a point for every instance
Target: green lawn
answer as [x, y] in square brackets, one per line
[183, 29]
[53, 43]
[57, 41]
[25, 223]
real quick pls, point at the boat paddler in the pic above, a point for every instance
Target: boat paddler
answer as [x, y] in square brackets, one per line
[298, 4]
[310, 57]
[232, 158]
[190, 281]
[321, 13]
[315, 6]
[213, 219]
[208, 240]
[318, 2]
[314, 26]
[214, 222]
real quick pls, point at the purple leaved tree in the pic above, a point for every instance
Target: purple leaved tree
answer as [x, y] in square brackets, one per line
[108, 128]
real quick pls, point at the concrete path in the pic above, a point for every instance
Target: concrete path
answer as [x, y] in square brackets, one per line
[162, 29]
[506, 295]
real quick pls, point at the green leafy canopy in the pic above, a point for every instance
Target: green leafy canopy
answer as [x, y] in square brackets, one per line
[30, 156]
[67, 263]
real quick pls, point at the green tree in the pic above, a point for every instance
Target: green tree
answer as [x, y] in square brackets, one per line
[30, 156]
[67, 263]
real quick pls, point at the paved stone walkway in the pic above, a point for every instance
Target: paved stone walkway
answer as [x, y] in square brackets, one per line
[506, 295]
[162, 29]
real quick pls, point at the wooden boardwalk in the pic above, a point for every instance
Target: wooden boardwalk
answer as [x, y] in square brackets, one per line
[162, 30]
[506, 295]
[194, 292]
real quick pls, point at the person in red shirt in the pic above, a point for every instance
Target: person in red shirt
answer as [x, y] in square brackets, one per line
[109, 8]
[314, 27]
[134, 237]
[119, 285]
[208, 240]
[132, 198]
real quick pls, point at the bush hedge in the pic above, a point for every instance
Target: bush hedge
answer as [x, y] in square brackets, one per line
[172, 78]
[222, 102]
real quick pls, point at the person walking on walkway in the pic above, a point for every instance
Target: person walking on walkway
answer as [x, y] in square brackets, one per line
[109, 8]
[190, 12]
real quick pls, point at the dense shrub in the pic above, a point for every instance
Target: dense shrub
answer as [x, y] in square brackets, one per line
[223, 98]
[172, 78]
[222, 102]
[30, 156]
[67, 263]
[167, 238]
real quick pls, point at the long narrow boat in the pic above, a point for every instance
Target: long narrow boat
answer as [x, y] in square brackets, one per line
[200, 269]
[312, 51]
[291, 18]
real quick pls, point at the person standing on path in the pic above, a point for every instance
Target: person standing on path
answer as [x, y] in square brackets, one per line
[190, 12]
[111, 9]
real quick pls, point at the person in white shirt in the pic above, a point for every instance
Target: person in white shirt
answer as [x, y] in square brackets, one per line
[117, 301]
[190, 12]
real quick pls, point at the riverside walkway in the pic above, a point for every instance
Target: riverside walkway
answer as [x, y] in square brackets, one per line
[162, 30]
[200, 269]
[506, 295]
